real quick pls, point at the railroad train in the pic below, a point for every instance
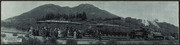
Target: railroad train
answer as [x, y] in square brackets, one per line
[69, 32]
[144, 33]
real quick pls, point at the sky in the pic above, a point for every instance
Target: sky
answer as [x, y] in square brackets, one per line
[164, 11]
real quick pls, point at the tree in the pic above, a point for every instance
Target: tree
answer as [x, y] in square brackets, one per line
[128, 19]
[49, 16]
[83, 16]
[78, 16]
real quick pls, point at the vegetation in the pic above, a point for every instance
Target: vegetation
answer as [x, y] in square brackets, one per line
[77, 14]
[70, 17]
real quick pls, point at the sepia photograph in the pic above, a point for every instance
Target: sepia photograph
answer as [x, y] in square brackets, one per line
[90, 22]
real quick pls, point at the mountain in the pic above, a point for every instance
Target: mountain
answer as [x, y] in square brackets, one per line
[81, 13]
[41, 11]
[51, 11]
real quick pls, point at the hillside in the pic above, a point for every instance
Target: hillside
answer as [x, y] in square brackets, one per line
[82, 13]
[41, 11]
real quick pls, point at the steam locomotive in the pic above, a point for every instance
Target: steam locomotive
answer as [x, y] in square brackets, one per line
[146, 34]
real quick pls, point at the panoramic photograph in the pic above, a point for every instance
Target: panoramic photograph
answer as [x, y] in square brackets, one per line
[89, 22]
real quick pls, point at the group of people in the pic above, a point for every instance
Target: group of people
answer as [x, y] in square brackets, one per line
[44, 31]
[93, 33]
[55, 32]
[70, 32]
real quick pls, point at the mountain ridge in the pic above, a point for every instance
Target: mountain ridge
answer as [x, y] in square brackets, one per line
[96, 15]
[55, 9]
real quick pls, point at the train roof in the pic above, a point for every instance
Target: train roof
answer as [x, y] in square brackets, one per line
[55, 21]
[79, 23]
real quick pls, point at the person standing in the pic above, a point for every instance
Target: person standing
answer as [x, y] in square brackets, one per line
[59, 33]
[75, 34]
[99, 35]
[40, 31]
[55, 32]
[31, 31]
[52, 33]
[65, 33]
[79, 34]
[44, 32]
